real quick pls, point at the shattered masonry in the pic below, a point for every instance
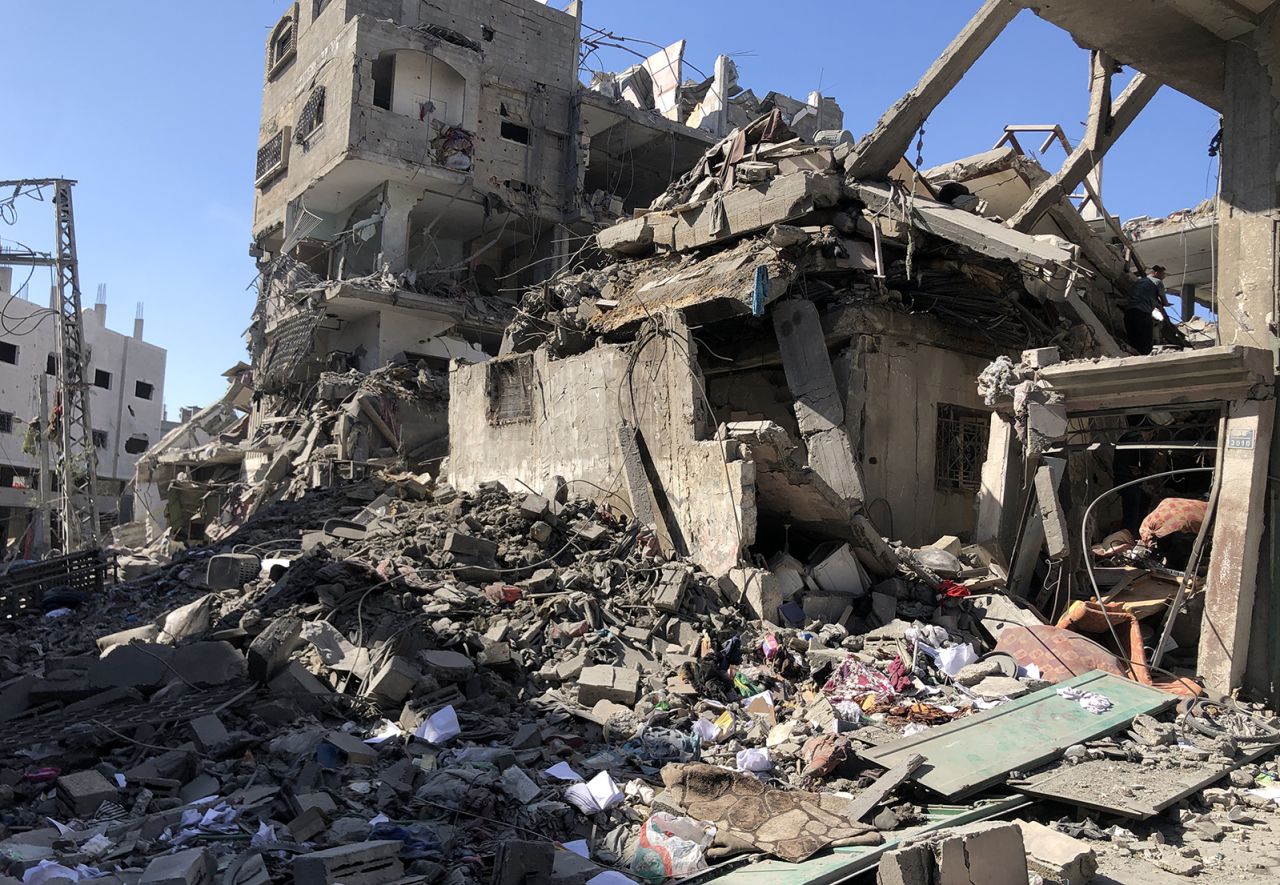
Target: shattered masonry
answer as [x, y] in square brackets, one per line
[790, 513]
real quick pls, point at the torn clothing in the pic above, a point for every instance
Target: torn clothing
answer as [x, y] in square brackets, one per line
[1173, 516]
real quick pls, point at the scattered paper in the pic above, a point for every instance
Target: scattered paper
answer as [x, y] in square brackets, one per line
[598, 794]
[121, 780]
[952, 660]
[1271, 794]
[706, 730]
[579, 847]
[562, 772]
[1090, 700]
[440, 727]
[378, 820]
[519, 785]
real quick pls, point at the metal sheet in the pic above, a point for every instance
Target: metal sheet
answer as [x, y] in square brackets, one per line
[842, 864]
[964, 756]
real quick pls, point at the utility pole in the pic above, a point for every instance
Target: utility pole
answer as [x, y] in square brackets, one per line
[79, 468]
[44, 538]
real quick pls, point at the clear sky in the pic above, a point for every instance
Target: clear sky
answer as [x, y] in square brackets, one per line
[152, 105]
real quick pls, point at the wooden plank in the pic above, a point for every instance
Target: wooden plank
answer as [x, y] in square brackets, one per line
[883, 786]
[970, 754]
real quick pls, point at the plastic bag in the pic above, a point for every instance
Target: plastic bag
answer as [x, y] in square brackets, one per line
[672, 847]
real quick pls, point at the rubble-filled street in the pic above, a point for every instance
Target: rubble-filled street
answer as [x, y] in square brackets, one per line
[635, 477]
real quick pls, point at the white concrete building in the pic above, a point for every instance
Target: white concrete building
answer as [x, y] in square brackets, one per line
[126, 404]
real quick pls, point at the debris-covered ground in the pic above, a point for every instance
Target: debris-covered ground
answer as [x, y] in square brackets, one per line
[400, 681]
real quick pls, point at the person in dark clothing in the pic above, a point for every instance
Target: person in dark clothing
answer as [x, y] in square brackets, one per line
[1146, 303]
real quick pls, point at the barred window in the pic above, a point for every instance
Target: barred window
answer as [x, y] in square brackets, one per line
[271, 157]
[6, 422]
[99, 439]
[283, 44]
[962, 447]
[509, 384]
[312, 115]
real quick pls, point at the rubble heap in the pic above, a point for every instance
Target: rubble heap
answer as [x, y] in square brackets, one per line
[396, 679]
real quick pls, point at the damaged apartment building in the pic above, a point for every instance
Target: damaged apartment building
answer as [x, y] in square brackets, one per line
[808, 343]
[419, 165]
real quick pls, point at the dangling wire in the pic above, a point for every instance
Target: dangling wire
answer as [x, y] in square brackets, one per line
[911, 200]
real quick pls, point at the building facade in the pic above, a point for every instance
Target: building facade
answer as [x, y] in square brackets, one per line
[126, 403]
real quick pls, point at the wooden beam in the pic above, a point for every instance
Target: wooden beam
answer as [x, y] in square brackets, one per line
[1082, 160]
[881, 149]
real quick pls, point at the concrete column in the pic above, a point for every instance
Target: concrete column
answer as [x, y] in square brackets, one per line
[819, 411]
[1000, 493]
[399, 202]
[1247, 216]
[1188, 294]
[1237, 535]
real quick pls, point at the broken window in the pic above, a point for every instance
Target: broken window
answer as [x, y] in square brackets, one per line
[961, 448]
[384, 78]
[6, 422]
[312, 115]
[509, 385]
[8, 353]
[514, 132]
[273, 157]
[282, 46]
[143, 390]
[102, 378]
[51, 365]
[317, 7]
[99, 439]
[136, 445]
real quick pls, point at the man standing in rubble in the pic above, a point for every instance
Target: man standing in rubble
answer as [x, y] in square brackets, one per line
[1144, 308]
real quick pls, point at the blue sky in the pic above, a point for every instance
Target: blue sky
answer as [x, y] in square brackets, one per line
[155, 112]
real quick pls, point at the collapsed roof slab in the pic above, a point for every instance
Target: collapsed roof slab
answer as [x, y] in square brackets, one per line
[1160, 381]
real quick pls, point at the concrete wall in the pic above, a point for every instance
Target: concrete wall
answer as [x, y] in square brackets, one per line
[118, 410]
[905, 381]
[577, 406]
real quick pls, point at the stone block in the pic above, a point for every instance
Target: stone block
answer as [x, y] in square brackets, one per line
[950, 543]
[670, 592]
[208, 732]
[208, 663]
[1056, 857]
[395, 681]
[296, 683]
[602, 682]
[145, 633]
[990, 852]
[466, 545]
[270, 649]
[84, 791]
[1041, 357]
[535, 507]
[139, 665]
[194, 866]
[361, 863]
[912, 865]
[308, 825]
[634, 237]
[356, 751]
[448, 666]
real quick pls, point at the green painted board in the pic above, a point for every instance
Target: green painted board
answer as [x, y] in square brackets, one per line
[841, 864]
[969, 754]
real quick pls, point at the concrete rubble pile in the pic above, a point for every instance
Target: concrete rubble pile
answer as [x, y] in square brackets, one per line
[406, 682]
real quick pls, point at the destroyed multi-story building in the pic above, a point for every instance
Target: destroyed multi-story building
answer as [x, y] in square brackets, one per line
[127, 405]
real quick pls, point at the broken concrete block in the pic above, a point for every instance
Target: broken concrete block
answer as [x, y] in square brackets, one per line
[466, 545]
[835, 569]
[308, 825]
[912, 865]
[208, 663]
[950, 543]
[990, 852]
[270, 650]
[356, 751]
[361, 863]
[672, 584]
[208, 732]
[1041, 357]
[535, 507]
[634, 237]
[1056, 857]
[523, 863]
[195, 866]
[84, 791]
[540, 532]
[602, 682]
[448, 666]
[759, 590]
[186, 621]
[821, 160]
[395, 681]
[299, 685]
[145, 633]
[139, 665]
